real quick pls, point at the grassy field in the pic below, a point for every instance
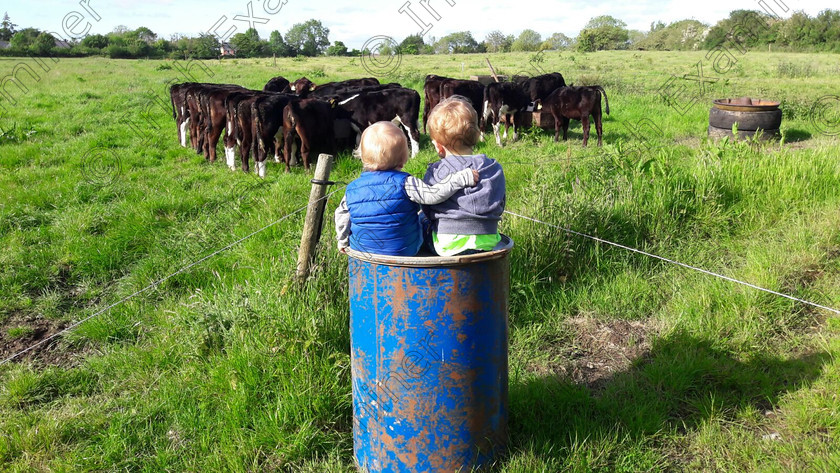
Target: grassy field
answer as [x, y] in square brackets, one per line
[618, 362]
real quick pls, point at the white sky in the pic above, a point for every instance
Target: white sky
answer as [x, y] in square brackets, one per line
[354, 21]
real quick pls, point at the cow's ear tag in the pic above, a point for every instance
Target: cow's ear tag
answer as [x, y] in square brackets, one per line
[332, 103]
[539, 106]
[312, 88]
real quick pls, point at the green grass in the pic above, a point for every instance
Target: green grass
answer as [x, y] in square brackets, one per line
[20, 332]
[230, 366]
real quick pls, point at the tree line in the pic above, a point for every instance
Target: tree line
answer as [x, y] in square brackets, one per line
[799, 32]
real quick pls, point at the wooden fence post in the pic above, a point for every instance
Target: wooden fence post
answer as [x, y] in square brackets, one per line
[314, 215]
[492, 71]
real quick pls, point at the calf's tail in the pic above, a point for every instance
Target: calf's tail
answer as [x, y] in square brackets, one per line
[601, 89]
[230, 119]
[256, 133]
[172, 101]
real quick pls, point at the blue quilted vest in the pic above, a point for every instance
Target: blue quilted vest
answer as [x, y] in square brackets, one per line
[382, 218]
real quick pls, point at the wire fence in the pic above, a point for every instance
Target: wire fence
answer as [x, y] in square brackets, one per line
[162, 280]
[671, 261]
[514, 214]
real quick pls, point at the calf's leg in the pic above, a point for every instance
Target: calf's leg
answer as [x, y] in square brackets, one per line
[599, 128]
[243, 152]
[496, 125]
[584, 123]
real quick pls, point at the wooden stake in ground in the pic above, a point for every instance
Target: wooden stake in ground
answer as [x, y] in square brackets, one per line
[492, 71]
[314, 215]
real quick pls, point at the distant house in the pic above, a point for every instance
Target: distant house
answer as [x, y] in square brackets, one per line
[227, 49]
[61, 44]
[5, 45]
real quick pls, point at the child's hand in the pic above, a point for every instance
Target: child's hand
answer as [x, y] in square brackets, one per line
[475, 177]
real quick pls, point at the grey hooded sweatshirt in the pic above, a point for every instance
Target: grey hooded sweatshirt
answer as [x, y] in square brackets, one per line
[472, 210]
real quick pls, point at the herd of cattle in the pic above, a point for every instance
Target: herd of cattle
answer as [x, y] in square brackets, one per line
[330, 117]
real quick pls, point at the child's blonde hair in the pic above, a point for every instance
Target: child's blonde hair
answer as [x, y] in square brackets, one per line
[453, 124]
[383, 146]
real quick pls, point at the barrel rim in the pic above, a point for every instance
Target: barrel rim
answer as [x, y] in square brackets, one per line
[757, 105]
[434, 261]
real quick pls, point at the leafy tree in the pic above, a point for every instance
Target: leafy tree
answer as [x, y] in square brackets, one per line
[145, 34]
[309, 39]
[7, 28]
[635, 38]
[337, 49]
[205, 46]
[276, 45]
[603, 32]
[118, 51]
[460, 42]
[247, 44]
[43, 44]
[412, 44]
[528, 40]
[96, 41]
[24, 38]
[497, 42]
[556, 41]
[385, 50]
[139, 49]
[428, 49]
[120, 39]
[681, 35]
[796, 30]
[161, 48]
[746, 27]
[827, 25]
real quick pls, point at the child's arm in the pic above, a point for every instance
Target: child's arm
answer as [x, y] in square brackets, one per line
[342, 225]
[422, 193]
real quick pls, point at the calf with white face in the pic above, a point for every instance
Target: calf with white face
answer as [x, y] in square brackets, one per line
[504, 99]
[398, 105]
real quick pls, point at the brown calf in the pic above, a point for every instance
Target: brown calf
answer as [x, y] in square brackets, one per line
[575, 103]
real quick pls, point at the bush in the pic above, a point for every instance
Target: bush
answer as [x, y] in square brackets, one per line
[316, 72]
[118, 52]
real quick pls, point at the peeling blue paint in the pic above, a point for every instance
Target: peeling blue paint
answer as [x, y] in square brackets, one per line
[429, 352]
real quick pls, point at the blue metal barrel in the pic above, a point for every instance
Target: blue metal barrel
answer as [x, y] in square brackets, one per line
[429, 352]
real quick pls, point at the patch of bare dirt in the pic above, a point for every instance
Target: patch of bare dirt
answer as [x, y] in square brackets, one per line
[597, 350]
[20, 331]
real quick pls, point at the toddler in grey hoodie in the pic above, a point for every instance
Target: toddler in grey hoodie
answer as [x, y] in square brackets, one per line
[468, 221]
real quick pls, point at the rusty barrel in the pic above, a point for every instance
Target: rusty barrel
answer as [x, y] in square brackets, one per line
[429, 352]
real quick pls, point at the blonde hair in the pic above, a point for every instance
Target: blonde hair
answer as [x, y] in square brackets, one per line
[383, 146]
[453, 124]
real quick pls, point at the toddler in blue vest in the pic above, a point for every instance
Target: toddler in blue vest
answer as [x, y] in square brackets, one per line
[380, 212]
[467, 222]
